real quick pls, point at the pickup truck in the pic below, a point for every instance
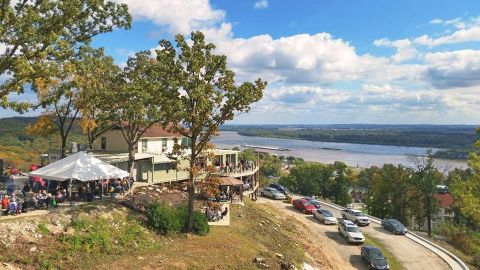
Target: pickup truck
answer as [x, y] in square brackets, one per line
[356, 216]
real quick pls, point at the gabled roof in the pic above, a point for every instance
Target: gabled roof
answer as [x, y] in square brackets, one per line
[156, 131]
[445, 200]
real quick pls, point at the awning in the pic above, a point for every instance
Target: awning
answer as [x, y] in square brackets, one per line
[79, 166]
[230, 181]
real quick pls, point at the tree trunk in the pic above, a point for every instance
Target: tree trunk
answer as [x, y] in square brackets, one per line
[63, 148]
[131, 158]
[429, 218]
[191, 192]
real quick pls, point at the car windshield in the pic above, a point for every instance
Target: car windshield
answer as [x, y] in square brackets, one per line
[327, 214]
[359, 214]
[376, 255]
[353, 229]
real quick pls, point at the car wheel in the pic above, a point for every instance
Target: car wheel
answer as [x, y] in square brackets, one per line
[262, 194]
[304, 211]
[344, 217]
[357, 223]
[274, 197]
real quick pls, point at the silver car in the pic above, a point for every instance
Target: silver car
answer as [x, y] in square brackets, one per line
[272, 193]
[325, 216]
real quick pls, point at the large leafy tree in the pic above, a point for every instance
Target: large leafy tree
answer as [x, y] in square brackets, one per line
[66, 90]
[139, 101]
[34, 32]
[425, 180]
[465, 188]
[206, 98]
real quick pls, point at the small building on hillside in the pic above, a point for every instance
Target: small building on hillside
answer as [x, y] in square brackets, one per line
[445, 211]
[155, 161]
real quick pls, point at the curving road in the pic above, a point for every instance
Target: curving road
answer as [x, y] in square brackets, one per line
[409, 253]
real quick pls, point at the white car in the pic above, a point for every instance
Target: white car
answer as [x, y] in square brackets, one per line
[325, 216]
[272, 193]
[350, 232]
[356, 216]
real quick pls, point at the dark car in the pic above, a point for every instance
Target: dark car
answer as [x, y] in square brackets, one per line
[394, 226]
[280, 188]
[374, 258]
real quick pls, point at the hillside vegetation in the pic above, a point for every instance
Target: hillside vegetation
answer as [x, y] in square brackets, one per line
[18, 149]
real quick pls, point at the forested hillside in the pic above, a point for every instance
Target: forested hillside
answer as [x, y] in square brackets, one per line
[18, 149]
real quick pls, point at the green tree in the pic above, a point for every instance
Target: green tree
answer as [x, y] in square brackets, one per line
[425, 180]
[37, 32]
[206, 98]
[342, 183]
[465, 188]
[138, 102]
[61, 91]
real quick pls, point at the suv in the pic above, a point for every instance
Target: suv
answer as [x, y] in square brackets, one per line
[350, 232]
[356, 216]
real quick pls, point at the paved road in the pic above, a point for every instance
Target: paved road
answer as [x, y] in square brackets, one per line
[409, 253]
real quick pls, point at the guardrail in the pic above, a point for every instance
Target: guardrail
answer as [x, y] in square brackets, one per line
[419, 240]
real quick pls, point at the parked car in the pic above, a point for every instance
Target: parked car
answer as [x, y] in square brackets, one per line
[280, 188]
[325, 216]
[394, 226]
[350, 232]
[272, 193]
[374, 258]
[304, 205]
[314, 202]
[356, 216]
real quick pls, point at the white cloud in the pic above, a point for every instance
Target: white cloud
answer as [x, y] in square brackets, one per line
[179, 16]
[405, 50]
[436, 21]
[453, 69]
[261, 4]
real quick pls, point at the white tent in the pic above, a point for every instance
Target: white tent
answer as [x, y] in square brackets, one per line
[80, 166]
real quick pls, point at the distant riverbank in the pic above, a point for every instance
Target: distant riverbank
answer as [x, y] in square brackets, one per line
[355, 155]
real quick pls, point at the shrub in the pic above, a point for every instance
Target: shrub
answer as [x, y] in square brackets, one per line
[164, 218]
[169, 220]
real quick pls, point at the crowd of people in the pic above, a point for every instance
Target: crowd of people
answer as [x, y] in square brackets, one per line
[242, 166]
[37, 194]
[215, 212]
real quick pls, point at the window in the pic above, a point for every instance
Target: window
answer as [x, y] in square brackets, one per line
[164, 144]
[104, 143]
[164, 167]
[186, 142]
[144, 146]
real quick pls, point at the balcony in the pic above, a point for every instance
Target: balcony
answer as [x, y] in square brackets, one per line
[236, 171]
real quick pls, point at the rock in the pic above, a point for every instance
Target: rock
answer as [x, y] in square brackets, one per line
[150, 188]
[279, 255]
[33, 249]
[259, 260]
[140, 258]
[263, 265]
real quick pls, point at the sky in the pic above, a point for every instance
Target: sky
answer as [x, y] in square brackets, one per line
[330, 61]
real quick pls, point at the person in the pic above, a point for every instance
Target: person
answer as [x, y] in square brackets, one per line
[25, 189]
[5, 202]
[25, 206]
[225, 212]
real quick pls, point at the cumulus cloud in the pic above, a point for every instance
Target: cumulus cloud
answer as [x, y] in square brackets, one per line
[466, 31]
[453, 69]
[261, 4]
[179, 16]
[405, 50]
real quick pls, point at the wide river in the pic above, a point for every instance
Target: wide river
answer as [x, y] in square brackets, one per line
[357, 155]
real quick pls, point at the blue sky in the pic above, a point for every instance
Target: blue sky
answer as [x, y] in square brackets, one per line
[331, 61]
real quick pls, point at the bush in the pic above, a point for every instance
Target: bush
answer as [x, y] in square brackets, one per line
[164, 218]
[169, 220]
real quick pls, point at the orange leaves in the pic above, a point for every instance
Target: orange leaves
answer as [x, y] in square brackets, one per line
[87, 124]
[44, 126]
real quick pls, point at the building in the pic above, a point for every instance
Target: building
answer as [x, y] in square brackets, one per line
[445, 211]
[155, 161]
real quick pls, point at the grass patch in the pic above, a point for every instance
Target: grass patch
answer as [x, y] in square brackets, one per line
[43, 229]
[392, 261]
